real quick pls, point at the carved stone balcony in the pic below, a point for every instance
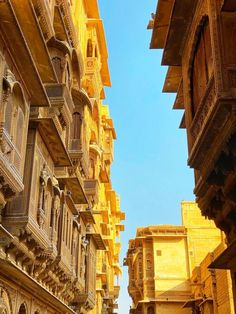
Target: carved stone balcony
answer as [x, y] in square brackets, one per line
[98, 240]
[212, 154]
[92, 75]
[5, 236]
[91, 189]
[87, 216]
[11, 167]
[76, 146]
[74, 184]
[199, 124]
[205, 106]
[52, 139]
[213, 114]
[79, 155]
[60, 97]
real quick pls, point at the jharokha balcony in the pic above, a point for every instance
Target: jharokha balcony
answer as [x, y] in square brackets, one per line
[93, 80]
[199, 48]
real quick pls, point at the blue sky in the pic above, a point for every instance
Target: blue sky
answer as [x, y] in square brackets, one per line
[150, 168]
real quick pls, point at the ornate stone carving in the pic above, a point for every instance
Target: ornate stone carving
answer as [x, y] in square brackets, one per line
[84, 245]
[5, 306]
[202, 114]
[44, 17]
[6, 192]
[42, 197]
[65, 11]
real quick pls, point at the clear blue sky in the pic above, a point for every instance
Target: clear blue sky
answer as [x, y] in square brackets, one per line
[150, 169]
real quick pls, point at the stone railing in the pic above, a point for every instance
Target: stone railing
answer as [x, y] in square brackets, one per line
[6, 145]
[10, 154]
[92, 72]
[79, 155]
[205, 107]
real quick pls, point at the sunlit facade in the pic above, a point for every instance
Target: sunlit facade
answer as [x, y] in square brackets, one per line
[60, 219]
[198, 38]
[168, 272]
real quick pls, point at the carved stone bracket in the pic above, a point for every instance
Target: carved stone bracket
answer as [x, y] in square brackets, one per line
[41, 218]
[6, 192]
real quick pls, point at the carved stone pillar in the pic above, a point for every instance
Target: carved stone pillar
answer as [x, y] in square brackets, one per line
[41, 214]
[55, 215]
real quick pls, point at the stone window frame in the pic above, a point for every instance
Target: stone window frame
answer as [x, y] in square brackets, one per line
[208, 66]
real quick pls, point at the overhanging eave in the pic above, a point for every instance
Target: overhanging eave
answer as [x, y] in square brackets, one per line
[173, 79]
[74, 185]
[161, 23]
[52, 140]
[227, 259]
[182, 14]
[31, 29]
[15, 42]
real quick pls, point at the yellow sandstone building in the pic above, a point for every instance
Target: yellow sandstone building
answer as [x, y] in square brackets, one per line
[60, 219]
[199, 48]
[168, 268]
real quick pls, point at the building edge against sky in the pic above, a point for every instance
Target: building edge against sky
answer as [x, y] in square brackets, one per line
[200, 55]
[168, 272]
[60, 219]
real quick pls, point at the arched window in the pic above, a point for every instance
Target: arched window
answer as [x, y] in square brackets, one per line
[89, 48]
[58, 67]
[51, 218]
[150, 310]
[76, 126]
[140, 267]
[59, 229]
[45, 202]
[92, 169]
[19, 128]
[75, 63]
[22, 309]
[68, 77]
[8, 116]
[5, 307]
[8, 106]
[202, 65]
[55, 213]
